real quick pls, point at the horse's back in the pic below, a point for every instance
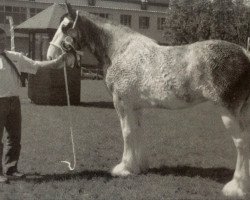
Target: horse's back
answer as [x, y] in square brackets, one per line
[212, 70]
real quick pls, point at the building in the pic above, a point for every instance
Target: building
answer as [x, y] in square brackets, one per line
[144, 16]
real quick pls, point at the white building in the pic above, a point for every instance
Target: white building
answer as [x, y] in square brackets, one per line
[144, 16]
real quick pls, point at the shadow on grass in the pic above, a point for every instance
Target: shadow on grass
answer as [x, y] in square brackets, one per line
[97, 104]
[87, 175]
[220, 175]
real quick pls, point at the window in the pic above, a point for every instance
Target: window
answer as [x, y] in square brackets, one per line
[103, 15]
[8, 8]
[160, 23]
[144, 4]
[125, 20]
[16, 9]
[144, 22]
[92, 13]
[22, 9]
[2, 18]
[34, 11]
[92, 2]
[18, 14]
[39, 10]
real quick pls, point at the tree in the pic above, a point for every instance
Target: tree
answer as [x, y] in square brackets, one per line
[188, 21]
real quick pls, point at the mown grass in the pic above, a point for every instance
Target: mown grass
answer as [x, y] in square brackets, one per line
[191, 156]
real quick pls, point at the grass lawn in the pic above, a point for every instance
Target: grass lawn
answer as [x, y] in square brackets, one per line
[191, 156]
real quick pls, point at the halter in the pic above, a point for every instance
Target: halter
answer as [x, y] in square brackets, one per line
[55, 45]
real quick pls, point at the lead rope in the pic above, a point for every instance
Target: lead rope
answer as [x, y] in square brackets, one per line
[70, 121]
[69, 108]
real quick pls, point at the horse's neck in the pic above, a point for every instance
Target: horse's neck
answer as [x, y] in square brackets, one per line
[95, 39]
[104, 39]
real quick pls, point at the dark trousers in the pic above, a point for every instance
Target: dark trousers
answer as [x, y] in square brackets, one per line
[10, 120]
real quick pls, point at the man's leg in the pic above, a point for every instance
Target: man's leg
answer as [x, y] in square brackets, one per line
[3, 114]
[12, 147]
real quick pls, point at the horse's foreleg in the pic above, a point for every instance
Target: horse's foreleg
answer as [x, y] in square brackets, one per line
[133, 159]
[239, 185]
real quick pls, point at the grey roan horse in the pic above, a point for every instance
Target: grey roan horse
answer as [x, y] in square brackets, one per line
[139, 74]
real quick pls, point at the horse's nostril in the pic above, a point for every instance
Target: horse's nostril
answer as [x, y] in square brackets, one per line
[49, 58]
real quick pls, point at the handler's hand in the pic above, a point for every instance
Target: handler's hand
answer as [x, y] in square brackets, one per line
[69, 59]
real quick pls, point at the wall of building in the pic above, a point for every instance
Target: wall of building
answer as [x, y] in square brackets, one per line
[111, 9]
[153, 5]
[115, 14]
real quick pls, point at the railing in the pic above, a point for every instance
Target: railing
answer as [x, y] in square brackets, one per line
[92, 72]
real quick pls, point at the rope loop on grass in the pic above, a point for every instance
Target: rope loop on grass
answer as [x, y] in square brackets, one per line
[70, 121]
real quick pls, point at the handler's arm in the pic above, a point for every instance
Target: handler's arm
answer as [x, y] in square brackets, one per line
[52, 64]
[30, 66]
[25, 64]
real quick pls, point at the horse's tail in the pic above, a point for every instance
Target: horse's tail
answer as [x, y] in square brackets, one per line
[245, 109]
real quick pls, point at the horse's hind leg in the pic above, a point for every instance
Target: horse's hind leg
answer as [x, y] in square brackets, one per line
[133, 160]
[239, 185]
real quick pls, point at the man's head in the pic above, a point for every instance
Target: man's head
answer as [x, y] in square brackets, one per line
[2, 40]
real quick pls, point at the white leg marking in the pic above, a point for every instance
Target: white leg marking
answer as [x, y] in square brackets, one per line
[133, 160]
[239, 185]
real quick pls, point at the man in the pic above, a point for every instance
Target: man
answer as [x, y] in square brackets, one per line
[11, 65]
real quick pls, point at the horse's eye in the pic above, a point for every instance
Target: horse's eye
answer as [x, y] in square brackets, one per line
[65, 28]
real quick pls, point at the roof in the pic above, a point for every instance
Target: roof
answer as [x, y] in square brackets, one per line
[85, 2]
[150, 2]
[46, 21]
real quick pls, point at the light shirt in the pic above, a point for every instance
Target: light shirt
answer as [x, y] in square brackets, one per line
[9, 81]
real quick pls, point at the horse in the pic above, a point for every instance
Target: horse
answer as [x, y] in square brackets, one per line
[139, 73]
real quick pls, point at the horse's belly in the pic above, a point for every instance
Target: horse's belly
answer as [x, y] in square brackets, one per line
[170, 100]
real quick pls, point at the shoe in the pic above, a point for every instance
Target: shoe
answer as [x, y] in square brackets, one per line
[15, 175]
[3, 179]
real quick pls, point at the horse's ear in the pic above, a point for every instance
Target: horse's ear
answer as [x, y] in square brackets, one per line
[72, 33]
[70, 10]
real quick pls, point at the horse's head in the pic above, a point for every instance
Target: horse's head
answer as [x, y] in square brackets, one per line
[75, 33]
[67, 36]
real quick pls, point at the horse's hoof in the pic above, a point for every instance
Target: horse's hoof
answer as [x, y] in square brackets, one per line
[120, 170]
[234, 189]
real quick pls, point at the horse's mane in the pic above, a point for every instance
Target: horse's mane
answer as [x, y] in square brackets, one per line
[106, 27]
[103, 35]
[109, 29]
[106, 34]
[100, 21]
